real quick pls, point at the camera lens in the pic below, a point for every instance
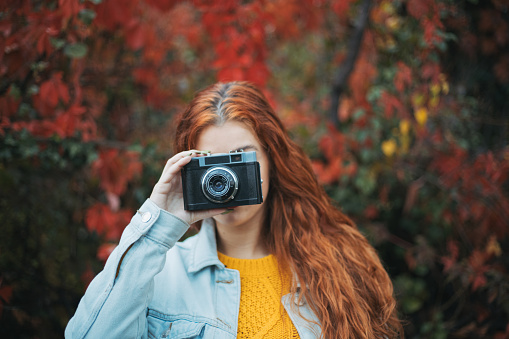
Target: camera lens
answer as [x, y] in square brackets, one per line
[219, 184]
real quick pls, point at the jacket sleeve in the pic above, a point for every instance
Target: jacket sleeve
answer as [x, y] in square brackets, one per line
[115, 303]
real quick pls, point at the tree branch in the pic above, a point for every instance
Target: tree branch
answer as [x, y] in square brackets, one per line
[340, 80]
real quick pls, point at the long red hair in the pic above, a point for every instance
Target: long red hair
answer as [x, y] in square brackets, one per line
[349, 290]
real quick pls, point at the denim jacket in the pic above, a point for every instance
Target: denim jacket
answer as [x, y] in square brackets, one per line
[154, 287]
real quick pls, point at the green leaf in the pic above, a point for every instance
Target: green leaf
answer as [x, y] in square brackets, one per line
[14, 91]
[136, 148]
[33, 89]
[365, 181]
[39, 66]
[76, 51]
[358, 114]
[374, 93]
[87, 16]
[57, 43]
[411, 304]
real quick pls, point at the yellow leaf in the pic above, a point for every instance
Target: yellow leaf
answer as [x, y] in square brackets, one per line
[404, 126]
[493, 247]
[421, 115]
[435, 89]
[405, 144]
[445, 87]
[393, 23]
[445, 84]
[390, 43]
[418, 99]
[389, 147]
[387, 7]
[433, 102]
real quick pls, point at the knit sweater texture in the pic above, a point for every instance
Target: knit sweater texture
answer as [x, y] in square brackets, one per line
[261, 313]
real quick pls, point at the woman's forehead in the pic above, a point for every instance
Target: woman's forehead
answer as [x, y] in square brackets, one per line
[230, 136]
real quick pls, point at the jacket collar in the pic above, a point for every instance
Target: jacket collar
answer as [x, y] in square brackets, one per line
[205, 248]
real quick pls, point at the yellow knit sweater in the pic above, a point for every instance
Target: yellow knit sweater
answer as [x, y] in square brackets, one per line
[261, 314]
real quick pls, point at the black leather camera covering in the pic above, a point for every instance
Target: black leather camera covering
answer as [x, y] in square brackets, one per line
[249, 183]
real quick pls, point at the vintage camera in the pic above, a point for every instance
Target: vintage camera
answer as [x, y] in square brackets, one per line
[222, 180]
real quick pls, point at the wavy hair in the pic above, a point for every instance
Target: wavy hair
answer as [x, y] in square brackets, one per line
[349, 290]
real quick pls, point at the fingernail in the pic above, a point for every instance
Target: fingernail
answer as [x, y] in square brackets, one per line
[227, 211]
[204, 152]
[190, 154]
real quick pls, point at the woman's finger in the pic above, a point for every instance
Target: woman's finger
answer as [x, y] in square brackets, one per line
[177, 157]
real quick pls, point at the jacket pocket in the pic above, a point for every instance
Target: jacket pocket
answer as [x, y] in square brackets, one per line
[178, 329]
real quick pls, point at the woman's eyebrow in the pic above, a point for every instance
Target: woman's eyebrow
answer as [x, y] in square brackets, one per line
[246, 147]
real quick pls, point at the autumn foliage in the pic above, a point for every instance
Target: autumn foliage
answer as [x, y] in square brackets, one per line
[417, 154]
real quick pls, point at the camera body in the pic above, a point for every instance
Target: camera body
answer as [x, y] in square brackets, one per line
[222, 180]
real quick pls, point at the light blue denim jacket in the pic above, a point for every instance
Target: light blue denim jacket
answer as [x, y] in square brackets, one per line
[154, 287]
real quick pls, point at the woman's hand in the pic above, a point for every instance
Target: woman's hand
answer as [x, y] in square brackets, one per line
[168, 195]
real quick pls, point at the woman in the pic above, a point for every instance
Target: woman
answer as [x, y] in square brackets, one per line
[293, 266]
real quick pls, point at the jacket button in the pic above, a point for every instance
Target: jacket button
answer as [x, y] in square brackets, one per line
[145, 216]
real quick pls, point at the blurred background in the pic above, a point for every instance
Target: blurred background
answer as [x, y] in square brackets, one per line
[401, 105]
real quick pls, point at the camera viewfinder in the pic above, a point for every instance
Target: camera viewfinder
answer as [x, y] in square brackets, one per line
[236, 157]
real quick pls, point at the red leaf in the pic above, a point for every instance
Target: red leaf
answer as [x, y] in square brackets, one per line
[431, 71]
[452, 258]
[114, 13]
[258, 74]
[476, 262]
[106, 222]
[163, 5]
[327, 173]
[69, 7]
[116, 169]
[8, 106]
[42, 128]
[392, 105]
[341, 8]
[231, 74]
[105, 250]
[66, 124]
[136, 36]
[146, 76]
[403, 77]
[430, 32]
[361, 79]
[50, 94]
[418, 8]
